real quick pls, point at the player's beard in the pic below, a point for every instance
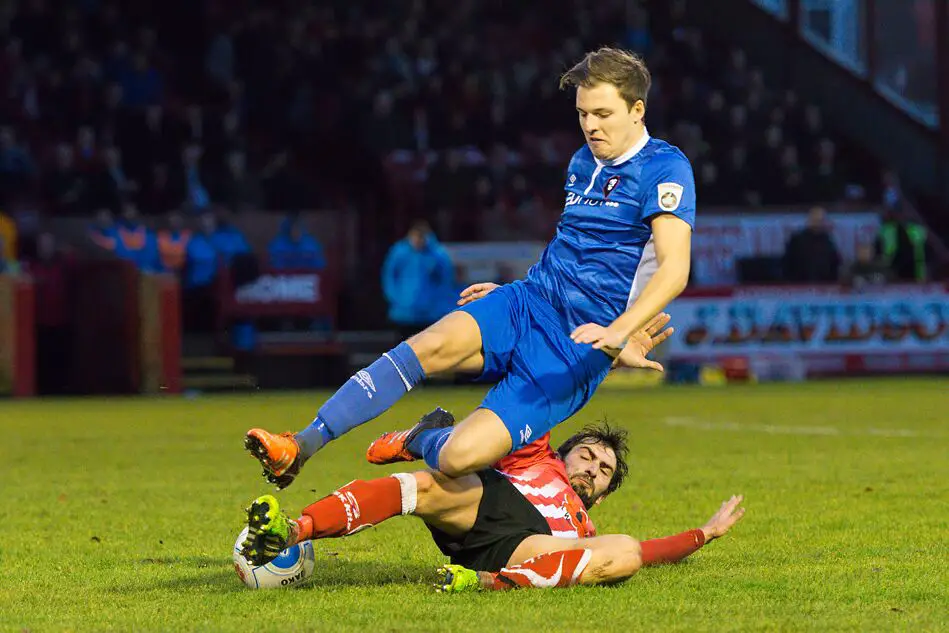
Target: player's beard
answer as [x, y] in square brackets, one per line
[583, 486]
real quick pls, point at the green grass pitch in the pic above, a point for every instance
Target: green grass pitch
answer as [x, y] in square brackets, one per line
[120, 514]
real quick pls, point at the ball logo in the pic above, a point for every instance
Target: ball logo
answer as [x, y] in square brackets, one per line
[292, 579]
[670, 195]
[610, 186]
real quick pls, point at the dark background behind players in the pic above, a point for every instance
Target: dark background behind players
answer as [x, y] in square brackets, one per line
[442, 112]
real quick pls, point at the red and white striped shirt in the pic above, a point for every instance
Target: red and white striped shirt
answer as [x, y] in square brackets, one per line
[539, 474]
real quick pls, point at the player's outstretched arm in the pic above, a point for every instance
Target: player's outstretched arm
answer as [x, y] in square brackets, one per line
[672, 237]
[672, 549]
[546, 562]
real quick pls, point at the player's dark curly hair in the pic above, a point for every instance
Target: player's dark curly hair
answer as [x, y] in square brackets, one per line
[623, 69]
[611, 436]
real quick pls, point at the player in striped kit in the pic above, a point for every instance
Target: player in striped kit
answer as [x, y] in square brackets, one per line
[523, 523]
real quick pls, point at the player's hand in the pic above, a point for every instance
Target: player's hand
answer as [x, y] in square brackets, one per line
[723, 520]
[643, 342]
[599, 337]
[475, 292]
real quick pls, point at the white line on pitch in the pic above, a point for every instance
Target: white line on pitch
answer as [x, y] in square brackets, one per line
[778, 429]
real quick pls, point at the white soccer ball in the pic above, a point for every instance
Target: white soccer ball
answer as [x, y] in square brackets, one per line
[293, 566]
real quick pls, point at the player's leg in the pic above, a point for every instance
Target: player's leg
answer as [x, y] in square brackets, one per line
[477, 442]
[447, 503]
[450, 505]
[453, 341]
[548, 379]
[543, 561]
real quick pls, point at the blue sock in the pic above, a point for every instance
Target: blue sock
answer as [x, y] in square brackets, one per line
[363, 397]
[428, 444]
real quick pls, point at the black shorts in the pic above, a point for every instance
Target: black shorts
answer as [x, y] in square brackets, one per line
[505, 518]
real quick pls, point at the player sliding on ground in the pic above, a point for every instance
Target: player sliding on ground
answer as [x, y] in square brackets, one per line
[620, 254]
[523, 523]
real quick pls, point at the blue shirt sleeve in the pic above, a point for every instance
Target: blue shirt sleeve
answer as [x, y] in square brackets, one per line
[668, 186]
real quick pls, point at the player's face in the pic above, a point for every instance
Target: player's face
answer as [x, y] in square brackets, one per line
[609, 125]
[590, 469]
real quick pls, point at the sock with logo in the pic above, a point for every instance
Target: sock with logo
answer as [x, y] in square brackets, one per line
[358, 505]
[365, 396]
[555, 569]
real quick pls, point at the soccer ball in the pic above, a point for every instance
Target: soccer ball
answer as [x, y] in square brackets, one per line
[293, 566]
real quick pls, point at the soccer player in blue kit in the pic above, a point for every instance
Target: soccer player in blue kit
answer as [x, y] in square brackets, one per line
[621, 253]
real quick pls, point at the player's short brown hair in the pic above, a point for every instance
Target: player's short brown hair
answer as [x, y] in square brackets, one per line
[623, 69]
[609, 436]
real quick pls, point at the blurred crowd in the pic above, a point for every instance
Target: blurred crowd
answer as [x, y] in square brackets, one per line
[448, 111]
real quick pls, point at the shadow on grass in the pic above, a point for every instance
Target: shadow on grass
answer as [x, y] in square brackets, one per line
[338, 572]
[330, 572]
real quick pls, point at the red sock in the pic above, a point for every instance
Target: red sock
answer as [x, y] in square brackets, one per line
[355, 506]
[672, 548]
[555, 569]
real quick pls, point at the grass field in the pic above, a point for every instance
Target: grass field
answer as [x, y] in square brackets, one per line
[120, 515]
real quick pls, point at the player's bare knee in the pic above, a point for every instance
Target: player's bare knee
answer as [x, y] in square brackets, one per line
[426, 490]
[434, 350]
[629, 556]
[454, 461]
[424, 482]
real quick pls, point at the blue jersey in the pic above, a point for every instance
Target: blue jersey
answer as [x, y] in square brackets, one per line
[602, 255]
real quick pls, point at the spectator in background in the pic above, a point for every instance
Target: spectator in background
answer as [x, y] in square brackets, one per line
[417, 279]
[142, 84]
[173, 243]
[202, 264]
[160, 193]
[111, 185]
[16, 165]
[136, 242]
[197, 197]
[104, 232]
[867, 270]
[294, 248]
[8, 264]
[811, 255]
[227, 239]
[8, 237]
[86, 151]
[892, 194]
[901, 244]
[236, 187]
[65, 186]
[50, 273]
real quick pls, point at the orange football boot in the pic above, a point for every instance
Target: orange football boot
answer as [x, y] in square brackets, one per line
[278, 454]
[392, 447]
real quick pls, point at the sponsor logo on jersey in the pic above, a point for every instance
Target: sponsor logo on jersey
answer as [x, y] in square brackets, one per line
[670, 195]
[610, 186]
[526, 434]
[572, 179]
[574, 199]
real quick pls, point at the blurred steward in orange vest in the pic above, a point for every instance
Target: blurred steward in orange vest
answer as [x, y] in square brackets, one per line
[7, 238]
[173, 243]
[104, 233]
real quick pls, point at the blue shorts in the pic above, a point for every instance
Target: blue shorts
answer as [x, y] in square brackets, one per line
[543, 376]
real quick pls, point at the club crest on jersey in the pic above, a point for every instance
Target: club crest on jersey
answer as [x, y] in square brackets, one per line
[610, 186]
[670, 195]
[572, 179]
